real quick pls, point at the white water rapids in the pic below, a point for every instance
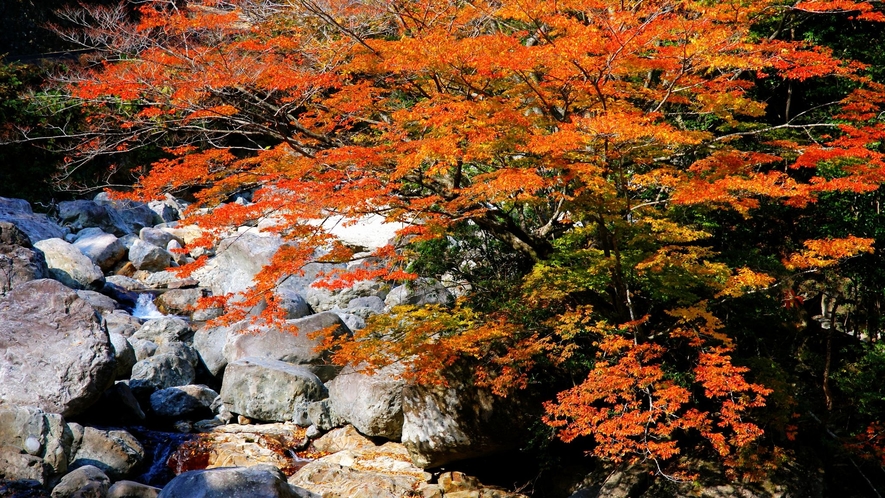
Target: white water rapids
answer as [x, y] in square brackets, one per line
[145, 308]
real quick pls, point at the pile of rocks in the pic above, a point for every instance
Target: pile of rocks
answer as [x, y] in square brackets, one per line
[77, 361]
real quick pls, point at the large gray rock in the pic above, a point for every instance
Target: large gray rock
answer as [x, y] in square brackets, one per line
[86, 482]
[120, 322]
[164, 330]
[442, 424]
[162, 279]
[293, 347]
[104, 249]
[36, 226]
[83, 213]
[293, 303]
[169, 209]
[181, 350]
[179, 301]
[70, 266]
[258, 481]
[238, 259]
[135, 215]
[183, 401]
[158, 236]
[56, 354]
[159, 372]
[353, 322]
[115, 452]
[148, 257]
[371, 403]
[366, 306]
[209, 343]
[34, 445]
[144, 349]
[321, 416]
[19, 262]
[179, 256]
[270, 390]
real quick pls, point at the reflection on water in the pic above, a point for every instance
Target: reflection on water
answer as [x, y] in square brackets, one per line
[158, 447]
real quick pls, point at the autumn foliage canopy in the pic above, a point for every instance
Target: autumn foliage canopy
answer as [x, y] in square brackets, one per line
[589, 139]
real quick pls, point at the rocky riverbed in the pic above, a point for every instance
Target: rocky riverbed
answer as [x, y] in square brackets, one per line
[101, 394]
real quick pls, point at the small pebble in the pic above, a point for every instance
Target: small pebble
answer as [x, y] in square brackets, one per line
[32, 445]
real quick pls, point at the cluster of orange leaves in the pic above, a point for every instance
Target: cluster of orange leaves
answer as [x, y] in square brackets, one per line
[426, 341]
[870, 444]
[635, 409]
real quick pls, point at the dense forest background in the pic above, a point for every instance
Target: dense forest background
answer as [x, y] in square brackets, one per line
[30, 51]
[809, 334]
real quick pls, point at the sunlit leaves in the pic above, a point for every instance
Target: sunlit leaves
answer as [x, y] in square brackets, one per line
[427, 340]
[630, 407]
[827, 252]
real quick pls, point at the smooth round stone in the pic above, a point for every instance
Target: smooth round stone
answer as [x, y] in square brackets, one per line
[32, 445]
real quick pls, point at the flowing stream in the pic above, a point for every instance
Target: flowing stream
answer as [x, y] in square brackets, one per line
[158, 447]
[145, 308]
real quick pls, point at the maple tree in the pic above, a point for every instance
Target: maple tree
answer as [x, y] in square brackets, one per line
[587, 137]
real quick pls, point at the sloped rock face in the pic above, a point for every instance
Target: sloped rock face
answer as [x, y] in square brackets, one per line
[115, 452]
[164, 330]
[104, 249]
[146, 256]
[209, 343]
[158, 237]
[286, 346]
[418, 293]
[124, 354]
[56, 355]
[82, 214]
[183, 401]
[359, 469]
[371, 403]
[36, 226]
[257, 481]
[132, 489]
[179, 301]
[238, 259]
[135, 215]
[19, 262]
[34, 445]
[160, 372]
